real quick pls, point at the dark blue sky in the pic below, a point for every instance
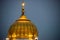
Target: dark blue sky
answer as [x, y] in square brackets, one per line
[43, 13]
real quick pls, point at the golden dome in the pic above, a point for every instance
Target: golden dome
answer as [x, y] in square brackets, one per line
[22, 28]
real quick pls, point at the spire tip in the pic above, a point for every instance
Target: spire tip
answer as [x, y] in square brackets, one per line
[23, 4]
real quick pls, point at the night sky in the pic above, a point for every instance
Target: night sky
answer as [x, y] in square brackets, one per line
[43, 13]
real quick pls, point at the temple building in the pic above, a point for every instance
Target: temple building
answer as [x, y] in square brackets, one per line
[22, 29]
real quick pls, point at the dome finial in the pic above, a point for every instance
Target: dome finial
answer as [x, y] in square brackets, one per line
[23, 4]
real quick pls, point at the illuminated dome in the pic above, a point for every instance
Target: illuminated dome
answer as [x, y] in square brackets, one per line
[22, 28]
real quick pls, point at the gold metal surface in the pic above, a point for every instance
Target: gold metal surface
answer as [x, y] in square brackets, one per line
[22, 29]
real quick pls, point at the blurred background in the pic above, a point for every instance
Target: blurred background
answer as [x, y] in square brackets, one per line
[43, 13]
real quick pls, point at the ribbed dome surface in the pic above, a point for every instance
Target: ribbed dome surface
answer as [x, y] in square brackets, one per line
[22, 28]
